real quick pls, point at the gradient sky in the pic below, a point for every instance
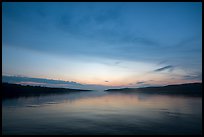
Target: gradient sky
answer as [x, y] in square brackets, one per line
[113, 44]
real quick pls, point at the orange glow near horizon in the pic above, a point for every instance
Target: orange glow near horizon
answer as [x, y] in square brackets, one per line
[98, 71]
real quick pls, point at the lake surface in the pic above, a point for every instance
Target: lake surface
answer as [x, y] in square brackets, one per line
[100, 112]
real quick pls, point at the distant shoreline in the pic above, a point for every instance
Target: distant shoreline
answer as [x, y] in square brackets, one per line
[16, 90]
[192, 89]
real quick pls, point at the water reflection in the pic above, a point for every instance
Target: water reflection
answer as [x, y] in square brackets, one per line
[99, 112]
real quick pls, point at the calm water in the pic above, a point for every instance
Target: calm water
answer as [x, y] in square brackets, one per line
[99, 112]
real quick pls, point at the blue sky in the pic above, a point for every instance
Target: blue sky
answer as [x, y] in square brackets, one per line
[112, 44]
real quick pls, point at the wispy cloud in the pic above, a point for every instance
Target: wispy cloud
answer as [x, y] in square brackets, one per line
[195, 76]
[169, 68]
[140, 82]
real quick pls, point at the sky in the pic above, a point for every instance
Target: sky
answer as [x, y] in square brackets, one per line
[120, 44]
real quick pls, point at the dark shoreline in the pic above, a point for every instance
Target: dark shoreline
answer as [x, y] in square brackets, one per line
[189, 89]
[15, 90]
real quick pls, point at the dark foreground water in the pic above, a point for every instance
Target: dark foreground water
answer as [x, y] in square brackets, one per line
[100, 112]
